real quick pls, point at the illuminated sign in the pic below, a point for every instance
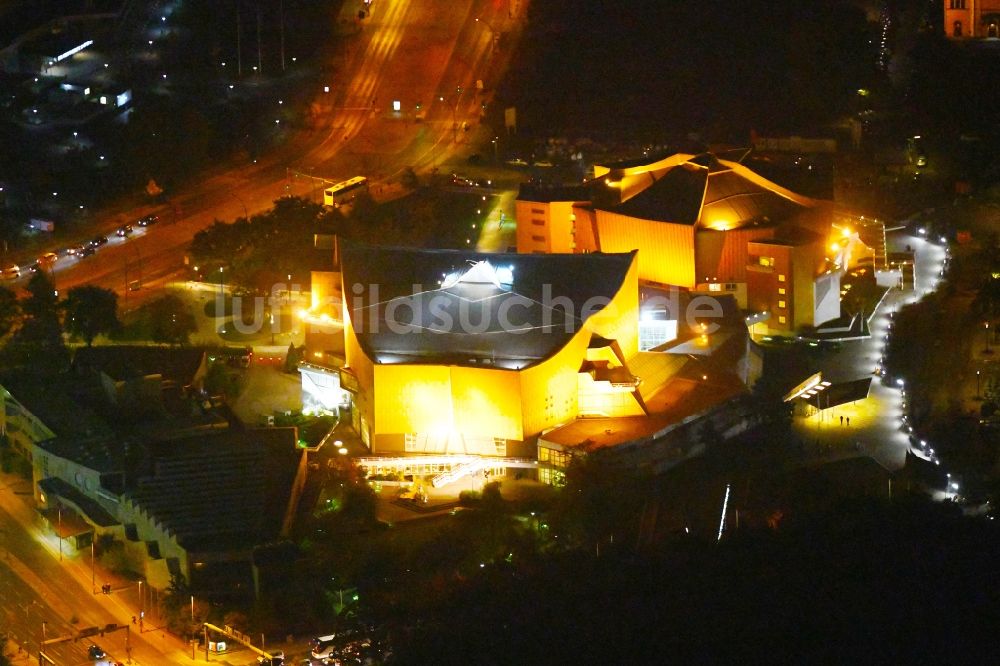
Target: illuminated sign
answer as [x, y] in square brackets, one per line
[74, 50]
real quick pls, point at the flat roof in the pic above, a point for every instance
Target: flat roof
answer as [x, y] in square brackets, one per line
[547, 193]
[471, 308]
[220, 491]
[121, 362]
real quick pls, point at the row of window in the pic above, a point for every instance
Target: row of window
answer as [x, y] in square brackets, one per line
[555, 458]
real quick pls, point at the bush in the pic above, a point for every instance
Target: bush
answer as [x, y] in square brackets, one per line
[469, 497]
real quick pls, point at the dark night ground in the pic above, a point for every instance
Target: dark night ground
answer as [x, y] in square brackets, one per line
[861, 583]
[655, 66]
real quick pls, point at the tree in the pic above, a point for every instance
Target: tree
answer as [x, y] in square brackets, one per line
[91, 311]
[9, 311]
[38, 343]
[170, 320]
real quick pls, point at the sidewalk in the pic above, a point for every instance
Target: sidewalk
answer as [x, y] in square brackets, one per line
[150, 648]
[876, 428]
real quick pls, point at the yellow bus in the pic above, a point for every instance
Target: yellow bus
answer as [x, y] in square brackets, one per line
[344, 192]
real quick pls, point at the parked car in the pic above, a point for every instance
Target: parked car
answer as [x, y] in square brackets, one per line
[95, 652]
[86, 251]
[462, 181]
[98, 241]
[123, 230]
[48, 258]
[76, 250]
[323, 647]
[148, 220]
[11, 272]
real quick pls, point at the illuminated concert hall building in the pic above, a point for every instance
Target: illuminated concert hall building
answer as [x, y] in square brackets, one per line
[454, 355]
[703, 224]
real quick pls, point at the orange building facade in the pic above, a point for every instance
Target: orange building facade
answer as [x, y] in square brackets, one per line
[968, 19]
[421, 389]
[694, 221]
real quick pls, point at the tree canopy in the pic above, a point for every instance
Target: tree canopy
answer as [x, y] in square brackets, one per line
[91, 311]
[10, 310]
[170, 320]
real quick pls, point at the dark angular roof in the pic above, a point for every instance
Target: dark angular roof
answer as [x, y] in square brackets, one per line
[124, 362]
[221, 491]
[95, 512]
[639, 161]
[676, 197]
[405, 309]
[705, 191]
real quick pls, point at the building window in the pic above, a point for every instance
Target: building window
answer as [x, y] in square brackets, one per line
[957, 29]
[781, 304]
[730, 286]
[410, 441]
[782, 320]
[538, 239]
[500, 446]
[552, 477]
[766, 261]
[714, 286]
[781, 277]
[540, 223]
[538, 211]
[781, 291]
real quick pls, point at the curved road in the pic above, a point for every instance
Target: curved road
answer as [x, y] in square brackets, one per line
[426, 52]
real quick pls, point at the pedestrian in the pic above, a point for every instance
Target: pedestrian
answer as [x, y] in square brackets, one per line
[841, 420]
[848, 421]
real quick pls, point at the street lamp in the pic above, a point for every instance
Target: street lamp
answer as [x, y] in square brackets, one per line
[978, 394]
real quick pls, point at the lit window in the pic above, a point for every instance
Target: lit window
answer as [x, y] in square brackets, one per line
[781, 291]
[781, 304]
[410, 441]
[781, 319]
[715, 286]
[766, 261]
[781, 277]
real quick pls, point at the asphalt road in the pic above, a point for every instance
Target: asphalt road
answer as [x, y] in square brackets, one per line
[426, 52]
[36, 588]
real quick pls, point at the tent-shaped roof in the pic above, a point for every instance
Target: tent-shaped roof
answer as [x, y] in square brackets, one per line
[471, 308]
[712, 193]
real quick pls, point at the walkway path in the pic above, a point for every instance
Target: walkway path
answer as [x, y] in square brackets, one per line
[876, 426]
